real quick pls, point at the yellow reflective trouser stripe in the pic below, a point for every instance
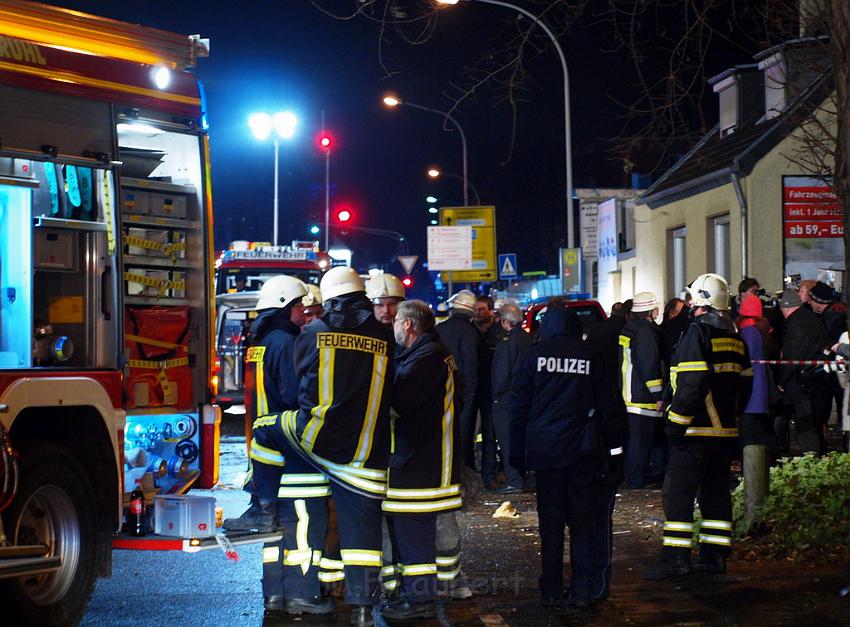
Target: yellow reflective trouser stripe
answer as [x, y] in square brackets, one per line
[428, 506]
[678, 526]
[691, 366]
[296, 557]
[270, 554]
[262, 399]
[303, 492]
[448, 575]
[717, 524]
[679, 542]
[401, 493]
[329, 564]
[266, 455]
[389, 571]
[303, 478]
[305, 554]
[331, 576]
[447, 426]
[448, 560]
[361, 557]
[679, 418]
[373, 404]
[710, 539]
[326, 392]
[412, 570]
[730, 432]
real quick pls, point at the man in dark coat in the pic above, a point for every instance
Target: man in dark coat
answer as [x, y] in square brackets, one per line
[509, 350]
[558, 430]
[804, 338]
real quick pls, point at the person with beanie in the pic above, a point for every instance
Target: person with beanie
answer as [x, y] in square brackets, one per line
[755, 329]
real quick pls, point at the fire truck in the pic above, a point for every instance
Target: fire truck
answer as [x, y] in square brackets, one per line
[106, 295]
[241, 271]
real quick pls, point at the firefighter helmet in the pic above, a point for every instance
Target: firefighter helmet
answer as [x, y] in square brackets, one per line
[280, 291]
[312, 297]
[464, 299]
[338, 281]
[709, 290]
[383, 286]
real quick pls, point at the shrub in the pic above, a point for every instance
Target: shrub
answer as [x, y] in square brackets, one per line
[808, 505]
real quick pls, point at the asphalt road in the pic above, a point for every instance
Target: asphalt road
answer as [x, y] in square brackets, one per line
[175, 588]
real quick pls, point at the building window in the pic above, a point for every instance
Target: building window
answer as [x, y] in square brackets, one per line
[774, 86]
[719, 248]
[676, 261]
[728, 109]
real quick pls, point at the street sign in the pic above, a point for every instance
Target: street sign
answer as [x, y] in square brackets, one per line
[507, 266]
[571, 269]
[482, 221]
[449, 248]
[407, 262]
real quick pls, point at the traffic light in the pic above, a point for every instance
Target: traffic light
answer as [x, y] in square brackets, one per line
[314, 229]
[344, 215]
[407, 281]
[325, 142]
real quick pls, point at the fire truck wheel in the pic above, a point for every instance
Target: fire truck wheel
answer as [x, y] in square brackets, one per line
[53, 507]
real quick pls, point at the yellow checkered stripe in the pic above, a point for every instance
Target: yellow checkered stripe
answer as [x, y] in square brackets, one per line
[150, 364]
[169, 249]
[162, 285]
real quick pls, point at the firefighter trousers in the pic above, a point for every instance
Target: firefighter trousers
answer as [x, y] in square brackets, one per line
[291, 566]
[699, 470]
[414, 554]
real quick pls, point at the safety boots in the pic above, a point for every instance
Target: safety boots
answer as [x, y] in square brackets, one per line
[261, 516]
[671, 565]
[715, 564]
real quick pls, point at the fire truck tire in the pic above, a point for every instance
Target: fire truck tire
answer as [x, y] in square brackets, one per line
[54, 506]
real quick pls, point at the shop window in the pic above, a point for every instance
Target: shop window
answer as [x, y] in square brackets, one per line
[719, 249]
[676, 261]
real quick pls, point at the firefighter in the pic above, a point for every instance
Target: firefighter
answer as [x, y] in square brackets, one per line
[312, 302]
[641, 382]
[424, 475]
[345, 368]
[386, 292]
[711, 378]
[290, 579]
[558, 414]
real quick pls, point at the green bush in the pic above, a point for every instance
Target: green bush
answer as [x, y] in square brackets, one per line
[808, 505]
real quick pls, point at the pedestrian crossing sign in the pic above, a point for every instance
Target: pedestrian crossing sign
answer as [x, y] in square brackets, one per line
[507, 266]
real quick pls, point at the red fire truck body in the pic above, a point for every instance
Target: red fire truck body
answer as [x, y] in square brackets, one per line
[106, 294]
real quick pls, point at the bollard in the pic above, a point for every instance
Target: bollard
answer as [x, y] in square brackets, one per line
[756, 481]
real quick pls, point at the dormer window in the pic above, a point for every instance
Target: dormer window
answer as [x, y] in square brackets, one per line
[727, 92]
[774, 85]
[740, 94]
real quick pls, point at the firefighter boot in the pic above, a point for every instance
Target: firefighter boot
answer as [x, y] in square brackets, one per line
[261, 516]
[361, 616]
[316, 605]
[710, 563]
[670, 565]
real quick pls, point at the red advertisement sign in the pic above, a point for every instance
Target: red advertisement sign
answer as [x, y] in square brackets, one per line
[814, 228]
[812, 211]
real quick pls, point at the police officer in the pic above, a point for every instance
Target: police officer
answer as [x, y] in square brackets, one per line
[424, 475]
[341, 427]
[712, 380]
[641, 382]
[386, 292]
[557, 430]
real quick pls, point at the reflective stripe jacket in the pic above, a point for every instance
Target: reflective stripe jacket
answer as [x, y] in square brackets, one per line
[641, 379]
[424, 468]
[270, 382]
[711, 379]
[345, 364]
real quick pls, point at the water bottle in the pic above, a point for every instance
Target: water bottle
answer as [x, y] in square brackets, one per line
[138, 509]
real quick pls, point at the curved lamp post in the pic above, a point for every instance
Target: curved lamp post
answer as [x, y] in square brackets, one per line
[436, 173]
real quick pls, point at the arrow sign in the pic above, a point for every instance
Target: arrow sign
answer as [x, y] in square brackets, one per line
[407, 262]
[507, 266]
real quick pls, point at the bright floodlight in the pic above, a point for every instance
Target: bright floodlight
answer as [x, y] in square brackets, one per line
[430, 199]
[447, 1]
[433, 210]
[161, 77]
[284, 124]
[433, 172]
[392, 101]
[261, 125]
[434, 222]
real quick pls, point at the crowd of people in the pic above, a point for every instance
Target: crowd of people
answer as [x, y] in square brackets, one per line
[359, 400]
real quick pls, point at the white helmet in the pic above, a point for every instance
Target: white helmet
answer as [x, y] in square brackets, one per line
[340, 280]
[644, 301]
[464, 299]
[710, 290]
[279, 292]
[384, 286]
[312, 297]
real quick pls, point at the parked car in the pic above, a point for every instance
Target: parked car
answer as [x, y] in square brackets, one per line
[589, 311]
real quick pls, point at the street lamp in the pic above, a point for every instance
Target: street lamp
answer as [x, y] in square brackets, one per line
[283, 124]
[567, 140]
[391, 100]
[436, 173]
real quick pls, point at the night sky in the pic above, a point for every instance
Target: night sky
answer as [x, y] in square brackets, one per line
[289, 55]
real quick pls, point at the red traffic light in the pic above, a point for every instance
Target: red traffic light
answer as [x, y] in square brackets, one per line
[343, 215]
[325, 142]
[407, 281]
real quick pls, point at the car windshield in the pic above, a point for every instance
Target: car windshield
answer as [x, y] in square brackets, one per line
[251, 280]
